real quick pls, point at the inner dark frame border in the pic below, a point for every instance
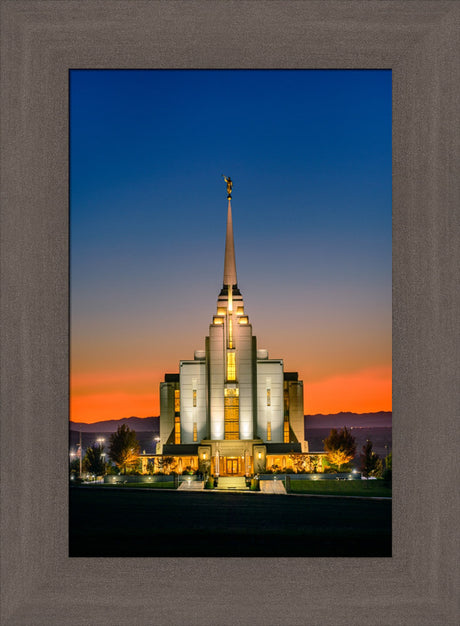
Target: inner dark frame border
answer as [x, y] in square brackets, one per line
[41, 41]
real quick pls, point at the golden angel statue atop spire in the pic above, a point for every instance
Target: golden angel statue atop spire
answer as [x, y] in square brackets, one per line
[228, 180]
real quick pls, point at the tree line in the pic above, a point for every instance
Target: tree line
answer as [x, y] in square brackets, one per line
[340, 447]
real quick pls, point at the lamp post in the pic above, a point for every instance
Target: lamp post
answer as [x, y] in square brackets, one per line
[71, 456]
[155, 461]
[80, 454]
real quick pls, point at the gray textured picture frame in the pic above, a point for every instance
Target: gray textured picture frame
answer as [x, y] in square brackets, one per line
[41, 41]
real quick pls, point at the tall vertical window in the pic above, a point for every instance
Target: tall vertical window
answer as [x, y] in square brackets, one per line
[230, 332]
[269, 400]
[231, 367]
[177, 430]
[195, 432]
[286, 432]
[194, 397]
[231, 414]
[269, 431]
[177, 400]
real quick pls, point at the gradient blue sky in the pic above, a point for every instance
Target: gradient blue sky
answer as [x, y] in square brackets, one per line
[310, 156]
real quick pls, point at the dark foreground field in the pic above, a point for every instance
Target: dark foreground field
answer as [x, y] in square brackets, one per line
[173, 524]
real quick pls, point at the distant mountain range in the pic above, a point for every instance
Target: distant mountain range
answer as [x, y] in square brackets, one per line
[381, 419]
[139, 424]
[337, 420]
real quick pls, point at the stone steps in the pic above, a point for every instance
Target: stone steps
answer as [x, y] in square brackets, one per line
[272, 486]
[194, 485]
[232, 482]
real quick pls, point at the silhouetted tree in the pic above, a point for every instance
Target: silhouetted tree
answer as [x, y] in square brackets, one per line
[124, 448]
[389, 461]
[74, 466]
[94, 461]
[340, 446]
[371, 463]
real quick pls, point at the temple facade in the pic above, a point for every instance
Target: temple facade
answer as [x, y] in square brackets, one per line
[231, 410]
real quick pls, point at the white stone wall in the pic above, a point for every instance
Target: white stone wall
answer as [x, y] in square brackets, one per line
[216, 380]
[192, 377]
[243, 343]
[270, 375]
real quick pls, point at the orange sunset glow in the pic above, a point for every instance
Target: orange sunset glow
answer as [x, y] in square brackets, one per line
[367, 392]
[112, 396]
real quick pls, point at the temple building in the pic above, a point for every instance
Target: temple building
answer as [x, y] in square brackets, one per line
[231, 409]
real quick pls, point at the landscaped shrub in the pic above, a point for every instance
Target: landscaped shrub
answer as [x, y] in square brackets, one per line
[387, 478]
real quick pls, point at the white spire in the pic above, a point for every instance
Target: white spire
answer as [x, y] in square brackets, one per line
[229, 265]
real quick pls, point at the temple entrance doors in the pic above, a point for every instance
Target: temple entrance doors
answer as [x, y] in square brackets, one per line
[231, 466]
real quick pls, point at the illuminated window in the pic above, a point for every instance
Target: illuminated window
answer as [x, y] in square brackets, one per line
[231, 368]
[269, 431]
[194, 397]
[286, 432]
[195, 432]
[240, 310]
[230, 332]
[243, 320]
[217, 320]
[231, 414]
[221, 311]
[177, 430]
[177, 400]
[269, 397]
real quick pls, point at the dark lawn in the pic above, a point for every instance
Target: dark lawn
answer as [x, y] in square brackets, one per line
[365, 488]
[116, 523]
[169, 485]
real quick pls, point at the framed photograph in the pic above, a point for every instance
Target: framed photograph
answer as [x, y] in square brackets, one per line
[41, 43]
[299, 237]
